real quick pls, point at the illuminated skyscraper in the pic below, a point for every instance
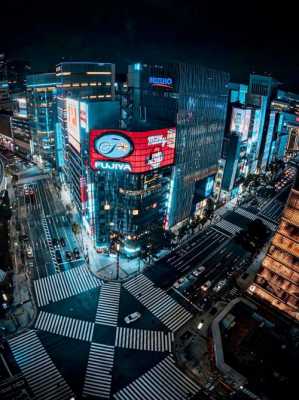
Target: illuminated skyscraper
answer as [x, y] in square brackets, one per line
[277, 281]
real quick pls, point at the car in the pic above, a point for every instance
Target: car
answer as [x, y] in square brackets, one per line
[58, 256]
[205, 287]
[55, 242]
[219, 285]
[62, 242]
[198, 271]
[179, 282]
[76, 253]
[132, 317]
[68, 255]
[29, 251]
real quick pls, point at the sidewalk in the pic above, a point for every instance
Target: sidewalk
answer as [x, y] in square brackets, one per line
[103, 266]
[22, 310]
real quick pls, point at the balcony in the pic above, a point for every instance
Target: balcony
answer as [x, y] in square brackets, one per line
[294, 199]
[286, 244]
[285, 258]
[289, 231]
[291, 215]
[281, 270]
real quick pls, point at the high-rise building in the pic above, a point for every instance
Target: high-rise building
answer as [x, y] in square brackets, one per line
[20, 126]
[42, 112]
[193, 100]
[277, 281]
[87, 81]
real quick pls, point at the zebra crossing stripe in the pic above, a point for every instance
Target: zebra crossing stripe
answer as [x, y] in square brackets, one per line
[164, 381]
[41, 374]
[65, 326]
[69, 283]
[141, 339]
[228, 226]
[253, 217]
[98, 376]
[108, 305]
[163, 306]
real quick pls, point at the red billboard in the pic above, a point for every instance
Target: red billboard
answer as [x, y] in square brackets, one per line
[115, 149]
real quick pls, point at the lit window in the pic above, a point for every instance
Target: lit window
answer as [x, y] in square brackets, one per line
[135, 212]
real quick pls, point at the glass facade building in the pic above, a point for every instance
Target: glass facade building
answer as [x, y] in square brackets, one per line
[42, 113]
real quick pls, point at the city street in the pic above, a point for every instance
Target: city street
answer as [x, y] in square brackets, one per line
[79, 334]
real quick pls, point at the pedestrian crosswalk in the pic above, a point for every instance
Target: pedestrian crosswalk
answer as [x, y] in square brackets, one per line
[65, 326]
[228, 226]
[107, 311]
[39, 371]
[99, 371]
[164, 381]
[163, 306]
[249, 215]
[50, 244]
[141, 339]
[66, 284]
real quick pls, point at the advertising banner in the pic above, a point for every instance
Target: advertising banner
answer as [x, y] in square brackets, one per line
[132, 151]
[73, 127]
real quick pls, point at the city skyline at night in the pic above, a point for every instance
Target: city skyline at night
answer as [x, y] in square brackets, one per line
[149, 201]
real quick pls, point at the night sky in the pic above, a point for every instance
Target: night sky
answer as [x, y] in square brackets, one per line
[236, 37]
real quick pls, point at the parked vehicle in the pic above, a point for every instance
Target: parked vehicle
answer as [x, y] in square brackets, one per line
[132, 317]
[58, 256]
[206, 286]
[55, 242]
[76, 253]
[62, 242]
[68, 255]
[198, 271]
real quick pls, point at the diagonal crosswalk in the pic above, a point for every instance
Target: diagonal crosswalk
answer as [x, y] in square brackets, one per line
[164, 381]
[142, 339]
[66, 284]
[99, 371]
[108, 305]
[249, 215]
[41, 374]
[163, 306]
[65, 326]
[228, 227]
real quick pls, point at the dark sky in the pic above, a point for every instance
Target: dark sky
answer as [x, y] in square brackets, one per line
[237, 37]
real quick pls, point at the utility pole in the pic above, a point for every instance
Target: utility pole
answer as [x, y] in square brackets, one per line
[117, 260]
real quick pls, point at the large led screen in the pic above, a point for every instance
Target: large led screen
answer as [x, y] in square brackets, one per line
[132, 151]
[73, 127]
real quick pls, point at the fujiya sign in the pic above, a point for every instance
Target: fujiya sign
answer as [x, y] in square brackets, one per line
[113, 166]
[113, 145]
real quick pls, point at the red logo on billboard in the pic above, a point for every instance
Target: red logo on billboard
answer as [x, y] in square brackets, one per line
[132, 151]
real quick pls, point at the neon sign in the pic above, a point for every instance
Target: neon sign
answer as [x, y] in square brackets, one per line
[113, 145]
[113, 166]
[158, 81]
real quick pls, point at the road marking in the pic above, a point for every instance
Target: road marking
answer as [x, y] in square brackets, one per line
[65, 326]
[39, 370]
[108, 305]
[163, 306]
[163, 381]
[66, 284]
[142, 339]
[98, 376]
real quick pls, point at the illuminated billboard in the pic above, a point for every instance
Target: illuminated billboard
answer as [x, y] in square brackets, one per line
[73, 126]
[135, 152]
[240, 122]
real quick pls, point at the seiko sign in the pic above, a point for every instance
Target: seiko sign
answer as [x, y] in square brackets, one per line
[113, 166]
[113, 145]
[154, 80]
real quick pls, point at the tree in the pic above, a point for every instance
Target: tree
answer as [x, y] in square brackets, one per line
[76, 228]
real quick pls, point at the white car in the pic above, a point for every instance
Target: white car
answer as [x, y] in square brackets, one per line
[198, 271]
[219, 285]
[179, 282]
[132, 317]
[29, 251]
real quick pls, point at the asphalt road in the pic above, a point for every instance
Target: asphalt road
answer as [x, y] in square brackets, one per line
[80, 345]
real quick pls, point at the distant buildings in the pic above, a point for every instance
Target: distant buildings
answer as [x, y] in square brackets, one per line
[262, 127]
